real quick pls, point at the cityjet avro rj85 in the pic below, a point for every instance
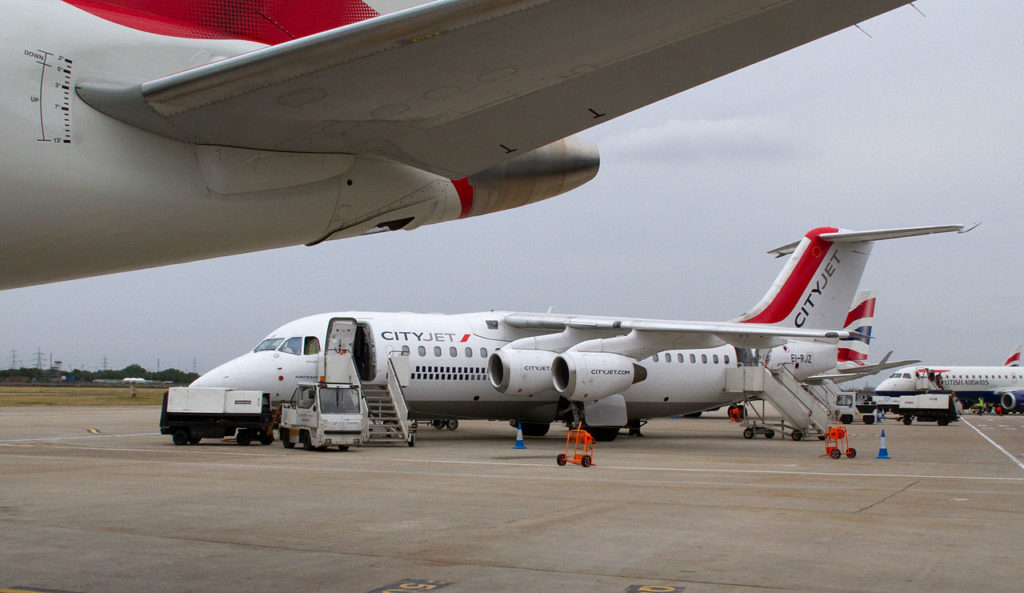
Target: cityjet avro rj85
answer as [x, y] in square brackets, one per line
[608, 371]
[139, 133]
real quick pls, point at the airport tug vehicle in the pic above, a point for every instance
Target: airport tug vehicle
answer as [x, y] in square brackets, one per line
[322, 415]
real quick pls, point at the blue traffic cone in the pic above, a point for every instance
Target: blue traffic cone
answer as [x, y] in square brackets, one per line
[883, 452]
[519, 437]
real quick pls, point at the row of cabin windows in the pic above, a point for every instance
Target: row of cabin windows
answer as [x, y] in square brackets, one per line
[446, 373]
[693, 358]
[958, 376]
[453, 351]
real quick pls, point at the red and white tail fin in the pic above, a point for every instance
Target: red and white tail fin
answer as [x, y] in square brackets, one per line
[1013, 360]
[853, 352]
[817, 285]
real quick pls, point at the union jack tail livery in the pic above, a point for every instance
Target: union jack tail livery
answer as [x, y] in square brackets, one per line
[1013, 360]
[853, 351]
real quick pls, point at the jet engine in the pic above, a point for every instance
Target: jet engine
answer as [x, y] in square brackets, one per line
[520, 372]
[589, 376]
[1012, 402]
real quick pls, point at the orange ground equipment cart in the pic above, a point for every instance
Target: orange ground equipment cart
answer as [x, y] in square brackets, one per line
[836, 442]
[582, 444]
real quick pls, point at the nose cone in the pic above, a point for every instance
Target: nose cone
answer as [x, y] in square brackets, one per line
[226, 375]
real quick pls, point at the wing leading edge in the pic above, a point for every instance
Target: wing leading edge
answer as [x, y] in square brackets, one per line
[457, 86]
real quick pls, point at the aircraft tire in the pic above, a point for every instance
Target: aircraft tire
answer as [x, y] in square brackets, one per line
[535, 429]
[451, 424]
[603, 434]
[180, 437]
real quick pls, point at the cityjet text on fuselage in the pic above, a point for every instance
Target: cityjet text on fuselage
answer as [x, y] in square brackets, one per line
[414, 336]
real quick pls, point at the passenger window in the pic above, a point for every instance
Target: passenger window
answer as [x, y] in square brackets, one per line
[679, 358]
[453, 351]
[726, 359]
[693, 358]
[437, 351]
[469, 352]
[483, 353]
[422, 350]
[312, 346]
[715, 358]
[704, 358]
[292, 346]
[405, 350]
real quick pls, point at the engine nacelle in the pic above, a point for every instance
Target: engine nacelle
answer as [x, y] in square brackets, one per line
[589, 376]
[520, 372]
[1012, 402]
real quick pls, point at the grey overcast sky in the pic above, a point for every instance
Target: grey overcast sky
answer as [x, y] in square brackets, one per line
[919, 123]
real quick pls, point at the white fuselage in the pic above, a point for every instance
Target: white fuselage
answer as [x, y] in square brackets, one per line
[448, 359]
[967, 383]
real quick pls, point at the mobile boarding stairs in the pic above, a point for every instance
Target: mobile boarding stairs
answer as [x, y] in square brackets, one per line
[806, 409]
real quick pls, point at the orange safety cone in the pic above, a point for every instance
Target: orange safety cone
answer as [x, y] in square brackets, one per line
[883, 452]
[519, 437]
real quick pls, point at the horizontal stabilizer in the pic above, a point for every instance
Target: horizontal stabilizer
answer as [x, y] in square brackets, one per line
[879, 235]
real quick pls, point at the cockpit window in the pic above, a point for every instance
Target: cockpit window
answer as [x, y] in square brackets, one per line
[292, 346]
[269, 344]
[312, 345]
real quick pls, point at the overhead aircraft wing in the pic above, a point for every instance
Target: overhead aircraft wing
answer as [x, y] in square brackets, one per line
[456, 86]
[647, 336]
[849, 374]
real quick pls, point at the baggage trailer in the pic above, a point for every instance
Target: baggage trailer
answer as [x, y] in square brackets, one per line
[190, 414]
[929, 407]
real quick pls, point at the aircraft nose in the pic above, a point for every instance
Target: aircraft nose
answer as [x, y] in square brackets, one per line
[221, 376]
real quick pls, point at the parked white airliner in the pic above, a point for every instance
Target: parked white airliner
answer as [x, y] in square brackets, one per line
[541, 368]
[139, 133]
[1001, 386]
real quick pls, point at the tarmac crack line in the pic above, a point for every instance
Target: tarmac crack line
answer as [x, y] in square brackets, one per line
[898, 492]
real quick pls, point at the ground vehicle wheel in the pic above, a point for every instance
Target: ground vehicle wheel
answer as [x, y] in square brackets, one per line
[943, 421]
[451, 424]
[907, 420]
[748, 433]
[835, 454]
[307, 443]
[283, 435]
[243, 438]
[769, 434]
[796, 435]
[851, 453]
[846, 419]
[585, 461]
[560, 460]
[194, 440]
[266, 438]
[412, 440]
[868, 419]
[343, 447]
[438, 424]
[180, 436]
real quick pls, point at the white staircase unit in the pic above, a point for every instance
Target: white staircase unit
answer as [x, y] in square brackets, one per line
[388, 412]
[808, 409]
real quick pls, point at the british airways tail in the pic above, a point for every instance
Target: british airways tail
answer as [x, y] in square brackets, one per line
[853, 351]
[816, 287]
[1013, 360]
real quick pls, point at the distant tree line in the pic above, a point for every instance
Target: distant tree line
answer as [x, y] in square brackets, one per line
[78, 375]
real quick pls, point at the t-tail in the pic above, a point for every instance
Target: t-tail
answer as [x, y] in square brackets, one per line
[816, 287]
[853, 351]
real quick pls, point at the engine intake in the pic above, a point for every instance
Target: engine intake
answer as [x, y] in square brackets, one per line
[520, 372]
[589, 376]
[1012, 402]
